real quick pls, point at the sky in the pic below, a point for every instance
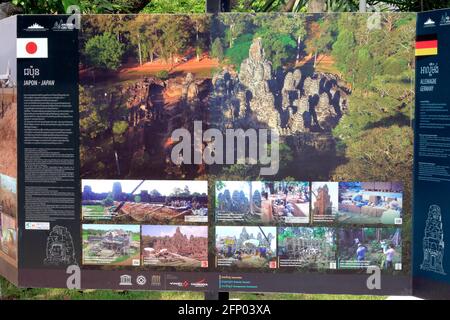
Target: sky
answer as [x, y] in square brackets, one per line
[108, 227]
[241, 185]
[165, 187]
[8, 47]
[162, 231]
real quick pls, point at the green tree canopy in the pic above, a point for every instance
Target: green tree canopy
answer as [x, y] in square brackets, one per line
[104, 51]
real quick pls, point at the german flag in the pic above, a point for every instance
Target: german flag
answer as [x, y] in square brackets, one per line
[426, 45]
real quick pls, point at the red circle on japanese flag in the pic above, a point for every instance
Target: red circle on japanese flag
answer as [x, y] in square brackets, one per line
[31, 47]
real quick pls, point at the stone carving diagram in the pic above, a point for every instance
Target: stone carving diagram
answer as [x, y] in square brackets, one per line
[433, 242]
[60, 249]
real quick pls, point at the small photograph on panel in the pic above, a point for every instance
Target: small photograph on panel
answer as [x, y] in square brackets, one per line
[370, 203]
[246, 247]
[359, 248]
[175, 246]
[325, 198]
[307, 248]
[107, 244]
[145, 201]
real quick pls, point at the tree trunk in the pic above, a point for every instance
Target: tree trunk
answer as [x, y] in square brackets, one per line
[315, 58]
[289, 6]
[231, 35]
[316, 6]
[196, 29]
[140, 52]
[298, 49]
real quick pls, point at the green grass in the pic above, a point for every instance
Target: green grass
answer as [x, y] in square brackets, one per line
[136, 237]
[9, 291]
[301, 296]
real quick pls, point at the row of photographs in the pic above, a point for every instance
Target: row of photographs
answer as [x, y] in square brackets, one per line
[242, 202]
[318, 248]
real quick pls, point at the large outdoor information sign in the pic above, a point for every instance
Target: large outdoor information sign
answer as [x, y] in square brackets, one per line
[227, 152]
[431, 158]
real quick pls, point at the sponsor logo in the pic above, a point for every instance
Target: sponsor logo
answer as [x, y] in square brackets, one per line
[125, 280]
[200, 284]
[155, 281]
[36, 27]
[141, 280]
[180, 284]
[63, 26]
[32, 48]
[37, 226]
[445, 20]
[429, 23]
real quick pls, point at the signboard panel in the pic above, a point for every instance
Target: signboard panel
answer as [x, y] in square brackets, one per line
[234, 152]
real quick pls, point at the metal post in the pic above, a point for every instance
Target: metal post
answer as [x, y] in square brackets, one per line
[217, 296]
[216, 6]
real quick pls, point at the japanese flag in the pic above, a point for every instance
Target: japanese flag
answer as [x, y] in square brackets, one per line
[32, 48]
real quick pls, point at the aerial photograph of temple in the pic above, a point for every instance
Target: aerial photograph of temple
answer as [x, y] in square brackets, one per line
[314, 90]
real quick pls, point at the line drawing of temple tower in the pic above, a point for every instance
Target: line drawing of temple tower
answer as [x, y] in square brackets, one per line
[433, 242]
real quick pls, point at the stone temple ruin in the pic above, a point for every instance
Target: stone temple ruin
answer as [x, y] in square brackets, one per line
[302, 248]
[145, 99]
[291, 102]
[114, 242]
[323, 204]
[180, 244]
